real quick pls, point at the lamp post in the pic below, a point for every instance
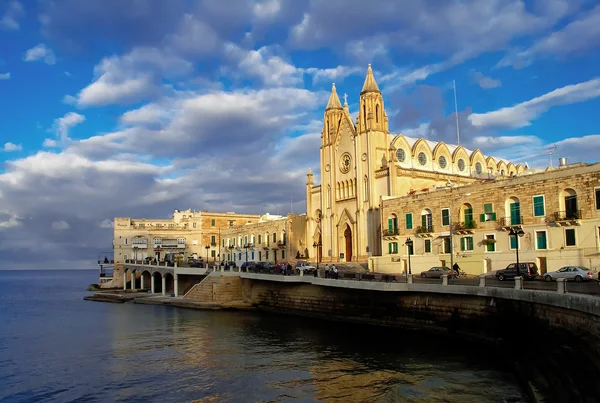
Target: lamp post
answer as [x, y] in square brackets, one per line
[317, 245]
[207, 247]
[248, 245]
[517, 232]
[409, 244]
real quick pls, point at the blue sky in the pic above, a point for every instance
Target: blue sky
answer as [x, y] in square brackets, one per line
[138, 108]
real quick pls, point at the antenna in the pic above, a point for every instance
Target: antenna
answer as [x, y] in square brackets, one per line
[550, 150]
[291, 210]
[456, 113]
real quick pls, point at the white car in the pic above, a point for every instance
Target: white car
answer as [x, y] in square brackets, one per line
[577, 273]
[305, 267]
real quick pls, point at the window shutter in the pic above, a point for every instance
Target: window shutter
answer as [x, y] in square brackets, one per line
[462, 244]
[481, 217]
[424, 220]
[391, 225]
[395, 249]
[494, 216]
[390, 248]
[409, 221]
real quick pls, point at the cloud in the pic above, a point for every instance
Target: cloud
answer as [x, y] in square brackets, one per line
[62, 126]
[193, 36]
[505, 141]
[266, 9]
[8, 147]
[483, 81]
[576, 37]
[522, 114]
[40, 52]
[5, 76]
[107, 223]
[12, 13]
[577, 149]
[60, 225]
[132, 77]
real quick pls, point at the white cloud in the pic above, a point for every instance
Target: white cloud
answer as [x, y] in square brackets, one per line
[12, 13]
[266, 9]
[40, 52]
[62, 126]
[333, 74]
[483, 81]
[60, 225]
[131, 77]
[504, 141]
[5, 76]
[576, 37]
[50, 143]
[8, 147]
[193, 37]
[522, 114]
[107, 223]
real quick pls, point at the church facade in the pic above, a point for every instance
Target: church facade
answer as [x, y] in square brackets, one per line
[362, 163]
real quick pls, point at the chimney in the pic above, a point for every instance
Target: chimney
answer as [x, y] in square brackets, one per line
[562, 162]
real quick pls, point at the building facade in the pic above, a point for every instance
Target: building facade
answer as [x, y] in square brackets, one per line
[361, 162]
[558, 210]
[188, 234]
[272, 239]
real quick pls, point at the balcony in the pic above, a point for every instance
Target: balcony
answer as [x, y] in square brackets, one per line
[391, 233]
[213, 244]
[466, 227]
[424, 231]
[564, 218]
[507, 222]
[281, 244]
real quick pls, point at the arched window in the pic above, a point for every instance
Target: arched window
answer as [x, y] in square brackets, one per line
[365, 114]
[377, 113]
[366, 188]
[466, 215]
[426, 221]
[568, 204]
[512, 208]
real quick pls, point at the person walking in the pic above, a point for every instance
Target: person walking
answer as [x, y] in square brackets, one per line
[456, 270]
[334, 272]
[326, 270]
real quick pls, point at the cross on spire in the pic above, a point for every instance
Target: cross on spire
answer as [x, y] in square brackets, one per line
[345, 98]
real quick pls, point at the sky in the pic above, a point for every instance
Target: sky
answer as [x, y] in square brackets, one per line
[134, 109]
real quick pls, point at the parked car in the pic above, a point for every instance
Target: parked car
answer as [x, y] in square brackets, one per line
[436, 272]
[196, 263]
[527, 270]
[263, 267]
[576, 273]
[305, 267]
[248, 266]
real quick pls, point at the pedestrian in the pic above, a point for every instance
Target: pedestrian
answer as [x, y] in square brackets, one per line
[289, 268]
[334, 271]
[326, 270]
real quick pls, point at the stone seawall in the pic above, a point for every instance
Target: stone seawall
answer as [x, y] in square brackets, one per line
[548, 345]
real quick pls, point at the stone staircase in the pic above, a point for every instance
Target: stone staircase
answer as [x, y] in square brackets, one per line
[216, 289]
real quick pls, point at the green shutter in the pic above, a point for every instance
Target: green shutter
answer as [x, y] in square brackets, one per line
[427, 245]
[409, 221]
[390, 248]
[513, 242]
[391, 225]
[481, 217]
[538, 206]
[541, 239]
[462, 244]
[515, 213]
[395, 249]
[424, 221]
[488, 208]
[445, 217]
[468, 216]
[494, 216]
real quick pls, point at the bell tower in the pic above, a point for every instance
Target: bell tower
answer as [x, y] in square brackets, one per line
[372, 114]
[332, 118]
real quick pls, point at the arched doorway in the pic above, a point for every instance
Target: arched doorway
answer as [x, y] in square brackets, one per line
[348, 238]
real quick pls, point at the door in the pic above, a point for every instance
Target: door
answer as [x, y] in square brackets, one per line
[515, 213]
[542, 265]
[348, 238]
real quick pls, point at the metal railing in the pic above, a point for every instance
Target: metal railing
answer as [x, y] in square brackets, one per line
[508, 221]
[393, 232]
[465, 225]
[424, 229]
[564, 216]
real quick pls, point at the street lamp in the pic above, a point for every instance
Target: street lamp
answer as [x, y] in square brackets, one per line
[317, 245]
[409, 244]
[207, 247]
[248, 245]
[517, 232]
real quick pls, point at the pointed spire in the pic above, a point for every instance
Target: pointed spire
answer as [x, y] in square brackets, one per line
[334, 100]
[370, 84]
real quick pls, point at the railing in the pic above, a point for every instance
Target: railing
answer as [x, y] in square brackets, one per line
[564, 216]
[213, 244]
[106, 261]
[424, 229]
[508, 221]
[393, 232]
[280, 244]
[461, 226]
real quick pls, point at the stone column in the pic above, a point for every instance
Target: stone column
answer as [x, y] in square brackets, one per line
[482, 280]
[124, 280]
[518, 283]
[142, 281]
[132, 280]
[152, 284]
[176, 285]
[409, 279]
[444, 279]
[164, 285]
[561, 285]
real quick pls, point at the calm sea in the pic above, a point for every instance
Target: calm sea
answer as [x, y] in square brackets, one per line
[55, 347]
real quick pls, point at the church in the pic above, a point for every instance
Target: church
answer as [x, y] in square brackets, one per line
[362, 164]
